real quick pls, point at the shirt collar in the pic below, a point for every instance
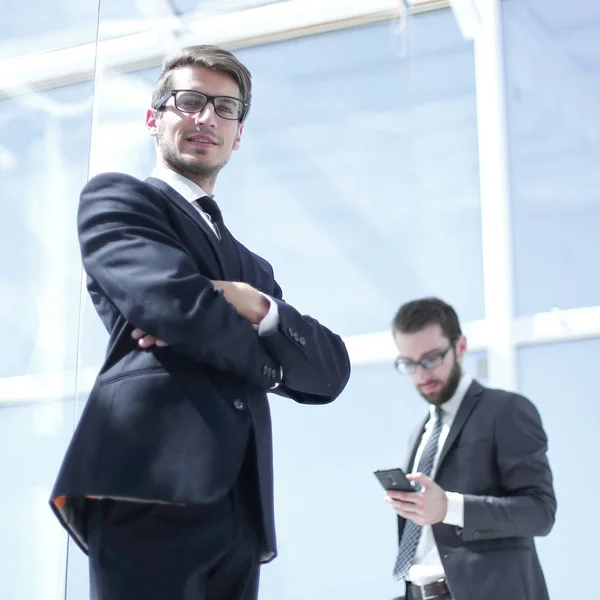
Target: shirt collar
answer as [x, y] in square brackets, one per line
[182, 185]
[451, 407]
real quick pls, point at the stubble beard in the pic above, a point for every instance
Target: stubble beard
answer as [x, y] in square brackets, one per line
[189, 165]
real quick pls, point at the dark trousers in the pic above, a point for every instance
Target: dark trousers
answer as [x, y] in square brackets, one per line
[140, 551]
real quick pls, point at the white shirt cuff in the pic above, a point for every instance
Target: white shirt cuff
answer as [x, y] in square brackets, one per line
[270, 321]
[455, 515]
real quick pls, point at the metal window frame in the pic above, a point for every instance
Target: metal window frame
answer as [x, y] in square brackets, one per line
[156, 39]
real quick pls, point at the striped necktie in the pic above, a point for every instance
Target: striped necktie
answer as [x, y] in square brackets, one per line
[412, 531]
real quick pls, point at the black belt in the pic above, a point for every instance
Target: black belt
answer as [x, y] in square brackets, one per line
[431, 591]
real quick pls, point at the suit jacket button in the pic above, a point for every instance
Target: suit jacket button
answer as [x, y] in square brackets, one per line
[239, 404]
[265, 370]
[290, 332]
[302, 341]
[296, 336]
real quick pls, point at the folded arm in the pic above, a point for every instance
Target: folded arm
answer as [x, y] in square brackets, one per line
[315, 362]
[132, 253]
[315, 366]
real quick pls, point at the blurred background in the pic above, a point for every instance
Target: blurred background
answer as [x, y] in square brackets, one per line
[394, 150]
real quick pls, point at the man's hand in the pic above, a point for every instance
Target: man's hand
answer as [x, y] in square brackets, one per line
[249, 302]
[146, 341]
[426, 507]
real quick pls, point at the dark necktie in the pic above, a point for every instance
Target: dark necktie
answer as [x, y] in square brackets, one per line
[230, 252]
[412, 531]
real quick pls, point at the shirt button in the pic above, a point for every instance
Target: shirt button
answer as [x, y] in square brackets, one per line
[239, 404]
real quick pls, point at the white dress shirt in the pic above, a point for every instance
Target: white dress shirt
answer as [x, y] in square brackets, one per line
[191, 192]
[427, 565]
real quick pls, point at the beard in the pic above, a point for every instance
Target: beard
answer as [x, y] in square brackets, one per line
[449, 389]
[186, 164]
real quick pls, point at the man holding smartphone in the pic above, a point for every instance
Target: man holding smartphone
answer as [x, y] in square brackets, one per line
[483, 483]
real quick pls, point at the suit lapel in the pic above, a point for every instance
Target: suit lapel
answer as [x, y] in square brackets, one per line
[467, 405]
[186, 207]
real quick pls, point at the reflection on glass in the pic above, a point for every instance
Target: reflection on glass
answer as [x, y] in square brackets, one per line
[44, 143]
[362, 167]
[554, 142]
[560, 379]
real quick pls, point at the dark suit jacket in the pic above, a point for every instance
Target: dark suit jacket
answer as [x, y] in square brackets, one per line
[495, 455]
[172, 424]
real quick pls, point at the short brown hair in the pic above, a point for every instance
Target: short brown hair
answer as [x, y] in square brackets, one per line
[416, 315]
[204, 57]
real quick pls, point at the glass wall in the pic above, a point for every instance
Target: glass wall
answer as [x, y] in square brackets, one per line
[552, 52]
[558, 377]
[358, 179]
[44, 142]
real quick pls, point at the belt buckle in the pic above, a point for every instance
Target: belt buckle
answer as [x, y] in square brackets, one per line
[423, 590]
[423, 593]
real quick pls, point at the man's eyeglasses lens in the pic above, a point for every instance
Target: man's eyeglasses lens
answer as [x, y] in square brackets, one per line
[429, 363]
[225, 107]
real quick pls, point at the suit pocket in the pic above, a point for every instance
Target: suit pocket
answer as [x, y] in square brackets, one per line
[137, 373]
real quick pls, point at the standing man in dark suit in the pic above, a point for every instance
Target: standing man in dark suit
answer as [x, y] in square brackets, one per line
[167, 484]
[479, 459]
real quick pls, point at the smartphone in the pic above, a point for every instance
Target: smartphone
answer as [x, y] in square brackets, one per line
[394, 480]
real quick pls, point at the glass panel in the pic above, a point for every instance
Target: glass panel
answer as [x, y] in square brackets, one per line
[68, 23]
[33, 439]
[203, 7]
[551, 48]
[362, 167]
[44, 143]
[559, 379]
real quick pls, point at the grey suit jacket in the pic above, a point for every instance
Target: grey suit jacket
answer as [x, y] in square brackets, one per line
[495, 455]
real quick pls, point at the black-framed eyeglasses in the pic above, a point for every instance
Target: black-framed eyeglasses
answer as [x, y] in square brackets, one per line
[428, 363]
[191, 101]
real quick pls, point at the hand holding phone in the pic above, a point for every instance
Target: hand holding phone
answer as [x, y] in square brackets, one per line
[394, 480]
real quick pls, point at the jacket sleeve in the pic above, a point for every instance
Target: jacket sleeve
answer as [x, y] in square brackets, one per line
[314, 360]
[528, 509]
[130, 250]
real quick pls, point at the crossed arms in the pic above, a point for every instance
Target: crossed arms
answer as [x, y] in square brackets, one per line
[140, 264]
